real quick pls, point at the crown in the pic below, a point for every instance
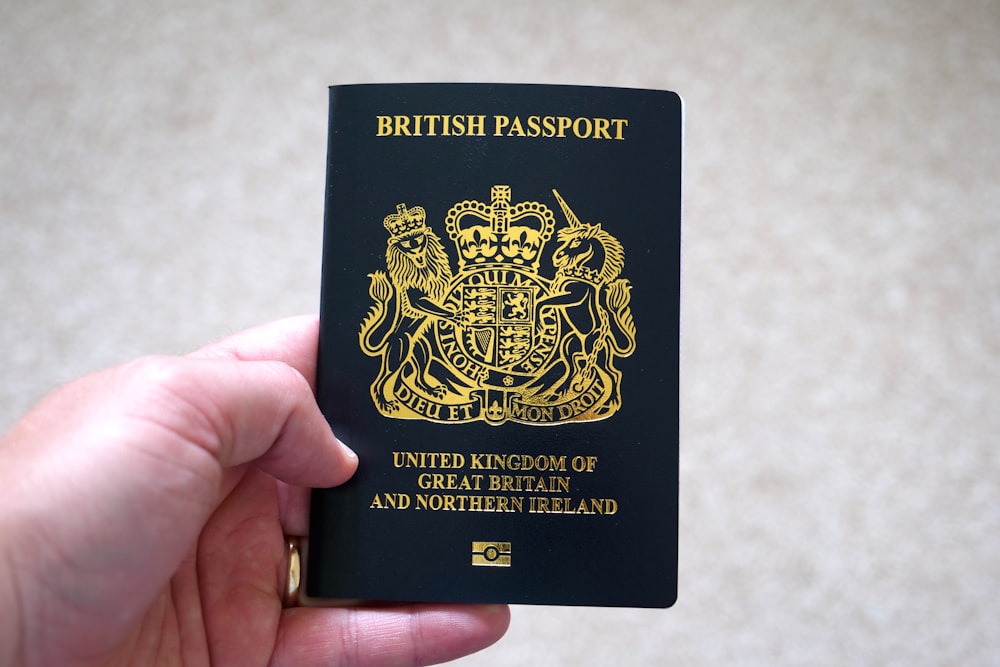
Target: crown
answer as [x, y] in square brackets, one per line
[405, 220]
[500, 233]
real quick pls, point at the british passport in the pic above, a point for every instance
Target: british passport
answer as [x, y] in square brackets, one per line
[499, 343]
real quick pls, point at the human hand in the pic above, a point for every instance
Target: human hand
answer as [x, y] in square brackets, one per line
[143, 511]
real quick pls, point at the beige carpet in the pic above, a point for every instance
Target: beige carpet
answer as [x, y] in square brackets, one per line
[161, 184]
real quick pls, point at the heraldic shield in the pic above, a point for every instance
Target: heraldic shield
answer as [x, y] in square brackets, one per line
[502, 338]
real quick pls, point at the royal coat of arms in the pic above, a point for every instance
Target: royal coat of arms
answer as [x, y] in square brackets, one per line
[502, 338]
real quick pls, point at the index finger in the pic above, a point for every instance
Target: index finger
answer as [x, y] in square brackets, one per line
[294, 341]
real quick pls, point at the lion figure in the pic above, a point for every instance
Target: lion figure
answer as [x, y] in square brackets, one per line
[408, 300]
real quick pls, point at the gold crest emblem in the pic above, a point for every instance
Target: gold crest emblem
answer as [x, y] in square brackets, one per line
[500, 339]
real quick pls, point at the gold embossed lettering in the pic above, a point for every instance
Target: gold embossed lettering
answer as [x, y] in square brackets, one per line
[384, 126]
[390, 501]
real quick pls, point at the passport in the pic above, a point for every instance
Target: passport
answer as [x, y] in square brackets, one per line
[499, 343]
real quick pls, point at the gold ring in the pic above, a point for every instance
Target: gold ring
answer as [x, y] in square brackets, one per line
[294, 577]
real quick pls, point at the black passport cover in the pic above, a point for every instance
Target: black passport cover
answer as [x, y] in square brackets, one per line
[499, 343]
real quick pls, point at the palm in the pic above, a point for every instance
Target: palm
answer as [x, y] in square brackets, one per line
[223, 605]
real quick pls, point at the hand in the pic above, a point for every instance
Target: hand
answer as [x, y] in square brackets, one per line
[143, 511]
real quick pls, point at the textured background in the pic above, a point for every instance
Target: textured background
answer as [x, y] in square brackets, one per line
[161, 184]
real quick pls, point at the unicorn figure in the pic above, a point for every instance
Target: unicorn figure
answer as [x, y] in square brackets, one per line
[593, 302]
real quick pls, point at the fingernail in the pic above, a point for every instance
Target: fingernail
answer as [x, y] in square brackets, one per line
[350, 453]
